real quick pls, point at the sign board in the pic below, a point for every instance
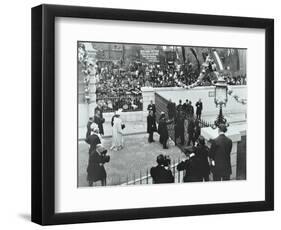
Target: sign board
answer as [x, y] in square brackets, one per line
[150, 55]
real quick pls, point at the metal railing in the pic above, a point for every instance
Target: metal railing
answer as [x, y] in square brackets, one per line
[145, 178]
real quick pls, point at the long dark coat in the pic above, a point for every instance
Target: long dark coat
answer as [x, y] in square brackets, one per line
[92, 140]
[179, 125]
[99, 121]
[152, 107]
[197, 131]
[191, 170]
[171, 107]
[161, 175]
[190, 127]
[220, 152]
[151, 124]
[202, 153]
[197, 167]
[163, 129]
[199, 107]
[96, 170]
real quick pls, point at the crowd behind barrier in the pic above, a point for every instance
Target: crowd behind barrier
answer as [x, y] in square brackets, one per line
[119, 87]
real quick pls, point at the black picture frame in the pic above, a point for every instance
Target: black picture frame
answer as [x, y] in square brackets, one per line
[43, 113]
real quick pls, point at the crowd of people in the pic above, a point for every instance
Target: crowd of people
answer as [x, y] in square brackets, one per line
[119, 87]
[97, 152]
[200, 162]
[179, 115]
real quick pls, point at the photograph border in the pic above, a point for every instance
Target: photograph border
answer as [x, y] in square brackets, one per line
[43, 113]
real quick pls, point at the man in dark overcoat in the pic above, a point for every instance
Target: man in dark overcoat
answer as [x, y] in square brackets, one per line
[190, 109]
[190, 131]
[96, 171]
[179, 127]
[99, 120]
[179, 106]
[163, 130]
[185, 107]
[151, 125]
[199, 108]
[171, 107]
[220, 155]
[161, 173]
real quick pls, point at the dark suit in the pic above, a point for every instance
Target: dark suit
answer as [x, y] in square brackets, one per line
[190, 131]
[151, 127]
[99, 121]
[199, 108]
[171, 107]
[152, 107]
[197, 167]
[179, 107]
[163, 131]
[220, 152]
[179, 128]
[161, 175]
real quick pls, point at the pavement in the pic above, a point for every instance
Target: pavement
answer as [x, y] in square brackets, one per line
[133, 127]
[132, 162]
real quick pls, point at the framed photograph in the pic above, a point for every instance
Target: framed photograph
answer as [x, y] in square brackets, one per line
[142, 114]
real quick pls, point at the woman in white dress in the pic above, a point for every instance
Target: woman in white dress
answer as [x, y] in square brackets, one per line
[117, 133]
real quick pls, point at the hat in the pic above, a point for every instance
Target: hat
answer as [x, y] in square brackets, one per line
[94, 127]
[160, 159]
[118, 112]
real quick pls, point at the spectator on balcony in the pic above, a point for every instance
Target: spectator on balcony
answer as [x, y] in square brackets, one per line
[99, 120]
[220, 155]
[151, 125]
[163, 130]
[199, 108]
[162, 172]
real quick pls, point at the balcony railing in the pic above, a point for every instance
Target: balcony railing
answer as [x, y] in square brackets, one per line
[127, 103]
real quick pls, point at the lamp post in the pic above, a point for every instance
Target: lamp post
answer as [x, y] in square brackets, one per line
[220, 100]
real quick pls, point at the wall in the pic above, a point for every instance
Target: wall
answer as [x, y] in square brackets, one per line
[205, 93]
[15, 77]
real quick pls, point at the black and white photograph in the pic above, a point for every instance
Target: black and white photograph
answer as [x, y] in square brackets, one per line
[156, 113]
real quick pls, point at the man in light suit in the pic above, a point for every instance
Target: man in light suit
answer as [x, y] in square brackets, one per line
[220, 155]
